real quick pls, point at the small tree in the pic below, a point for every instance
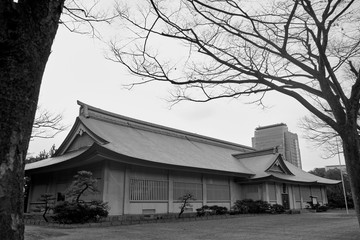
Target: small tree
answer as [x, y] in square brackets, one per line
[48, 202]
[185, 202]
[78, 211]
[83, 182]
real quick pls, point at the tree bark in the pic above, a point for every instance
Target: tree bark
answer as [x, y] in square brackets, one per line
[352, 160]
[27, 30]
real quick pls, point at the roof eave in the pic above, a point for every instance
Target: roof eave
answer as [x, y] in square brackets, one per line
[278, 179]
[97, 151]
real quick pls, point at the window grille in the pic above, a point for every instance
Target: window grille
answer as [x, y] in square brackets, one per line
[182, 188]
[217, 192]
[142, 190]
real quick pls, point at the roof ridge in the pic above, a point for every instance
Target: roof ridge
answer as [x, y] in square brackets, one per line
[267, 151]
[88, 111]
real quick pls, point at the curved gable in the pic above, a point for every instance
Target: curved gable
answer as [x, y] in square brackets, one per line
[279, 166]
[79, 137]
[81, 141]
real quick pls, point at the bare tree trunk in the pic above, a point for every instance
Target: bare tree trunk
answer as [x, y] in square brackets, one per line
[27, 30]
[352, 159]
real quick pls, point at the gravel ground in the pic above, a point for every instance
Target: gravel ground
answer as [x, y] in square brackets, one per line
[315, 226]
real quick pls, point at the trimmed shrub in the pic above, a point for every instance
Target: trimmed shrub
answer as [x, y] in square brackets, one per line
[322, 208]
[80, 212]
[250, 206]
[203, 211]
[211, 210]
[218, 210]
[277, 208]
[262, 207]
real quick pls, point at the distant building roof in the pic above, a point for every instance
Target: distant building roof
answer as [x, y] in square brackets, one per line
[271, 126]
[341, 167]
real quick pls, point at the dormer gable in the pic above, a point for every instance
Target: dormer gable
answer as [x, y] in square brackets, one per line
[81, 140]
[79, 137]
[279, 166]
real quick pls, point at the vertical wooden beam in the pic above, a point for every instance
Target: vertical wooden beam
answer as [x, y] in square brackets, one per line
[126, 198]
[171, 192]
[105, 177]
[278, 190]
[301, 198]
[232, 190]
[203, 180]
[266, 192]
[292, 196]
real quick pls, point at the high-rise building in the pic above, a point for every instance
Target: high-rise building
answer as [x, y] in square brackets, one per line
[278, 135]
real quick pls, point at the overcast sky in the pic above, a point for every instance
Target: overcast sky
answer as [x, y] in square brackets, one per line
[78, 70]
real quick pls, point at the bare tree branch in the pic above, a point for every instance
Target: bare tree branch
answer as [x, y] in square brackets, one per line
[81, 17]
[47, 124]
[283, 46]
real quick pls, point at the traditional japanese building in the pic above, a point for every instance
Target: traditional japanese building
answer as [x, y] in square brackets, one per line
[144, 168]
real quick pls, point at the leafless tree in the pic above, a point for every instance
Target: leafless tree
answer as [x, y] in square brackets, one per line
[320, 133]
[47, 124]
[82, 16]
[299, 48]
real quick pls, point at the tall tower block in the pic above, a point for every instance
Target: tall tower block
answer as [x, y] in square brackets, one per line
[278, 135]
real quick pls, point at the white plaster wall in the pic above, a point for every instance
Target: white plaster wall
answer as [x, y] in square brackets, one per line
[139, 207]
[148, 173]
[114, 187]
[178, 176]
[235, 191]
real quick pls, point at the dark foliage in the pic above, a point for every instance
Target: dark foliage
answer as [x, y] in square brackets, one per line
[251, 206]
[335, 193]
[80, 212]
[42, 155]
[321, 208]
[211, 210]
[277, 208]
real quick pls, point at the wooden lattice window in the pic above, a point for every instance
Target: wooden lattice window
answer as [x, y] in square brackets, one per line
[142, 190]
[182, 188]
[217, 192]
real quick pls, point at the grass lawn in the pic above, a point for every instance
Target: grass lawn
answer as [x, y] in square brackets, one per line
[315, 226]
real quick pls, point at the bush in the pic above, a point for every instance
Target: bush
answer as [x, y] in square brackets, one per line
[211, 210]
[203, 211]
[251, 206]
[322, 208]
[80, 212]
[277, 208]
[262, 207]
[219, 210]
